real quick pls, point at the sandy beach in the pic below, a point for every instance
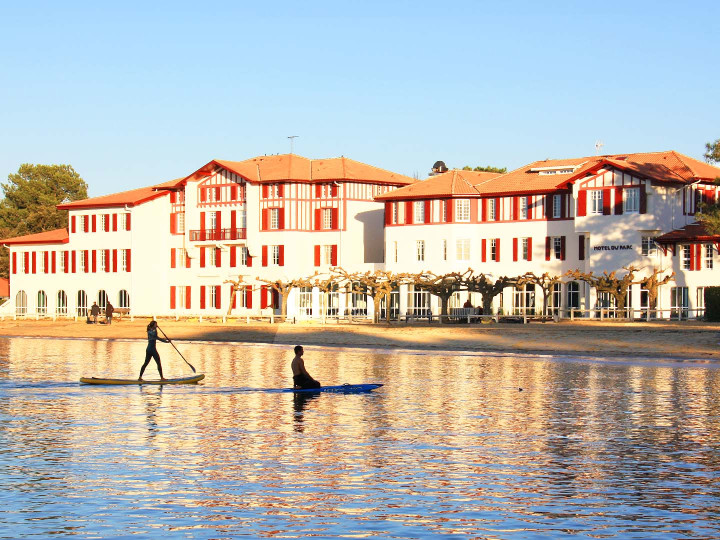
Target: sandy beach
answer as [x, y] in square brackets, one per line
[681, 340]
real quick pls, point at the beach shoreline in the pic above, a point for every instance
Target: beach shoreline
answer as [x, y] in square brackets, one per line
[612, 339]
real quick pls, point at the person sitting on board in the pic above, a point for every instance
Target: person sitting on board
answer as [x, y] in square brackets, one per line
[151, 351]
[301, 378]
[95, 311]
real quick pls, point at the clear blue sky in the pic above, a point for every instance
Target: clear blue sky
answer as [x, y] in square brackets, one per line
[136, 93]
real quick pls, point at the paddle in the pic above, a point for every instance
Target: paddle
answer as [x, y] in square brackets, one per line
[174, 347]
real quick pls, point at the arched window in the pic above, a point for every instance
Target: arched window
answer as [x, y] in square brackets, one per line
[61, 305]
[41, 303]
[102, 299]
[21, 303]
[124, 299]
[82, 304]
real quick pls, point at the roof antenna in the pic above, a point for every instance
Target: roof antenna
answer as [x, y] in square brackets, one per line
[598, 146]
[292, 141]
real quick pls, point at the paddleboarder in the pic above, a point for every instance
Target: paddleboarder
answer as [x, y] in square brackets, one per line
[151, 351]
[301, 378]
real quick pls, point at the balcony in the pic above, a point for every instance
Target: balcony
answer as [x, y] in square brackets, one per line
[204, 235]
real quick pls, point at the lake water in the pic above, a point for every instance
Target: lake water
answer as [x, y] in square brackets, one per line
[450, 446]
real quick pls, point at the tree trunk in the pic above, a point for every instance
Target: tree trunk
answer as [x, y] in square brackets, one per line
[283, 303]
[232, 298]
[444, 301]
[487, 303]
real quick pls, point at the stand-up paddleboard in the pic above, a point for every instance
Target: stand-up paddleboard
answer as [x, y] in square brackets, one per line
[186, 380]
[341, 389]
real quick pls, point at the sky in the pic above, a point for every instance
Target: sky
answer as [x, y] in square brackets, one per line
[136, 93]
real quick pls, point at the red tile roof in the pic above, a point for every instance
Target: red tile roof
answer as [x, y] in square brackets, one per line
[129, 198]
[694, 232]
[57, 236]
[451, 183]
[291, 167]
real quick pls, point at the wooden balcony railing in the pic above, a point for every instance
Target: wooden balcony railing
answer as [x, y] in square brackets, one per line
[203, 235]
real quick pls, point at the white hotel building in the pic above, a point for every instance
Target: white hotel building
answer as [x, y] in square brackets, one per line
[171, 249]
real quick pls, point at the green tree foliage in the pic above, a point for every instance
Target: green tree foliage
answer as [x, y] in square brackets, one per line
[31, 195]
[489, 168]
[712, 304]
[712, 154]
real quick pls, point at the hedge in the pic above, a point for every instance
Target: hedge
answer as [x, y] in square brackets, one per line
[712, 304]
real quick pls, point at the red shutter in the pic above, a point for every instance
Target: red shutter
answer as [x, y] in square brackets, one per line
[409, 218]
[582, 203]
[333, 255]
[548, 206]
[218, 223]
[233, 224]
[54, 262]
[187, 260]
[218, 257]
[618, 201]
[562, 248]
[66, 269]
[317, 255]
[334, 218]
[428, 212]
[217, 193]
[86, 224]
[114, 220]
[497, 250]
[563, 200]
[202, 297]
[606, 201]
[234, 298]
[172, 257]
[173, 197]
[127, 258]
[46, 256]
[14, 263]
[248, 296]
[318, 191]
[265, 219]
[202, 226]
[333, 190]
[581, 247]
[281, 219]
[529, 249]
[692, 257]
[263, 296]
[188, 297]
[516, 208]
[483, 250]
[114, 262]
[72, 224]
[233, 256]
[318, 219]
[218, 296]
[698, 257]
[173, 224]
[28, 269]
[107, 222]
[94, 223]
[643, 199]
[281, 190]
[202, 257]
[483, 213]
[203, 194]
[281, 255]
[172, 296]
[264, 256]
[234, 194]
[547, 248]
[94, 260]
[249, 260]
[87, 260]
[127, 222]
[388, 213]
[264, 191]
[473, 210]
[74, 262]
[450, 210]
[515, 249]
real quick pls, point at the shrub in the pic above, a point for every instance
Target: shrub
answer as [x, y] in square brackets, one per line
[712, 304]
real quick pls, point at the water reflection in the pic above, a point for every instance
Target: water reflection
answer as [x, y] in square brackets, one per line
[449, 446]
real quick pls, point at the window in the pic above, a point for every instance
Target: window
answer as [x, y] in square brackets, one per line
[555, 299]
[573, 295]
[327, 218]
[41, 262]
[213, 256]
[700, 304]
[103, 222]
[180, 222]
[124, 221]
[213, 219]
[443, 210]
[685, 254]
[213, 297]
[492, 209]
[83, 261]
[276, 255]
[42, 303]
[395, 250]
[596, 200]
[525, 249]
[124, 266]
[418, 302]
[102, 299]
[420, 249]
[83, 223]
[23, 270]
[244, 256]
[462, 249]
[494, 255]
[679, 302]
[524, 300]
[631, 200]
[444, 250]
[82, 303]
[21, 303]
[462, 210]
[648, 246]
[523, 207]
[274, 218]
[124, 299]
[419, 212]
[708, 256]
[394, 212]
[327, 255]
[61, 305]
[557, 206]
[305, 302]
[557, 247]
[63, 262]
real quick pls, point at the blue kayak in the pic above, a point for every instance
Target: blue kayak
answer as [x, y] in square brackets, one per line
[341, 389]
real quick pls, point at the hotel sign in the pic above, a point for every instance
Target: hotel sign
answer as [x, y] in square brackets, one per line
[617, 247]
